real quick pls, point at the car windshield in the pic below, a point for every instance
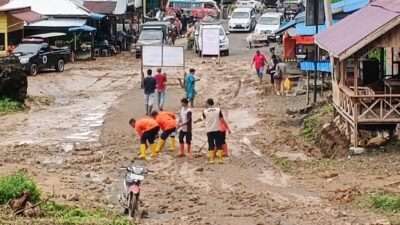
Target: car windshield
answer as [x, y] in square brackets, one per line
[221, 32]
[151, 35]
[269, 21]
[240, 15]
[27, 48]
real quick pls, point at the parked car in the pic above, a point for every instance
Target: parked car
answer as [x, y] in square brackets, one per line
[249, 3]
[242, 19]
[36, 54]
[269, 22]
[152, 33]
[223, 38]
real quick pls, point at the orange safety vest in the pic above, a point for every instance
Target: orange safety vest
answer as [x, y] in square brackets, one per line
[144, 125]
[166, 120]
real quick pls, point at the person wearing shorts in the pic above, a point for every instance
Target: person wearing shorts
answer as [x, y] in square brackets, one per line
[167, 122]
[224, 128]
[213, 117]
[259, 60]
[149, 85]
[147, 129]
[185, 127]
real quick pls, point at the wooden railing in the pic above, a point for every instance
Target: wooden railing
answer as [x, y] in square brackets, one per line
[367, 107]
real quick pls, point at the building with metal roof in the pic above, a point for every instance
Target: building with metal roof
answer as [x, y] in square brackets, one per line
[364, 93]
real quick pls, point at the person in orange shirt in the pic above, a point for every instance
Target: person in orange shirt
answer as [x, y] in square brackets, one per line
[167, 122]
[147, 129]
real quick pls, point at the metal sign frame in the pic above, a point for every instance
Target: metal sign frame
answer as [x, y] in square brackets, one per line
[142, 65]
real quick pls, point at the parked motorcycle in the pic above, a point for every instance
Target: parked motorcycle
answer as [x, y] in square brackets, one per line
[130, 199]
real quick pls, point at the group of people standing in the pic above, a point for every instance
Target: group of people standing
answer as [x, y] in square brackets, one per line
[276, 68]
[148, 127]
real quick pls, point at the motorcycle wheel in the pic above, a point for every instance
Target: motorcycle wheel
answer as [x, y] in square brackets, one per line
[133, 204]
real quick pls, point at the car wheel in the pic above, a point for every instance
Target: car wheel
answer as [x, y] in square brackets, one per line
[199, 53]
[60, 65]
[33, 70]
[226, 53]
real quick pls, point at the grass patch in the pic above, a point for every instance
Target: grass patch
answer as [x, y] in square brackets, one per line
[9, 106]
[309, 130]
[66, 215]
[386, 202]
[285, 164]
[16, 184]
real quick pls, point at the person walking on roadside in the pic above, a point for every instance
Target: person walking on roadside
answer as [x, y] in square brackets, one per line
[190, 37]
[190, 81]
[185, 128]
[259, 60]
[213, 117]
[280, 73]
[149, 84]
[161, 79]
[147, 129]
[167, 123]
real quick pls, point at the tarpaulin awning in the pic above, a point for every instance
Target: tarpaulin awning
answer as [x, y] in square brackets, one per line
[304, 40]
[96, 16]
[84, 28]
[28, 16]
[323, 66]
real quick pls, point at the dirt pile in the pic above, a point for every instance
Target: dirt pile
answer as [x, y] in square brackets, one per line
[13, 80]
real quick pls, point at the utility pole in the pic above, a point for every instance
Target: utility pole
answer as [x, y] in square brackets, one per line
[316, 50]
[328, 13]
[222, 10]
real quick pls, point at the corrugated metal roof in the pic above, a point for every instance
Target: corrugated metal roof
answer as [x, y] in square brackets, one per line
[28, 16]
[354, 28]
[302, 29]
[119, 9]
[390, 5]
[59, 23]
[50, 8]
[285, 27]
[102, 7]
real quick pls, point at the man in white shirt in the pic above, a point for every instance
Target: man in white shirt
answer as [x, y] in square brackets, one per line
[213, 117]
[185, 127]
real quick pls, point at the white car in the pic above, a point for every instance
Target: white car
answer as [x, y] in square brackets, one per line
[223, 38]
[249, 3]
[269, 23]
[242, 19]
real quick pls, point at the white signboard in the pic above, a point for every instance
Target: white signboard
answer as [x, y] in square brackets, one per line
[173, 56]
[210, 41]
[159, 56]
[152, 55]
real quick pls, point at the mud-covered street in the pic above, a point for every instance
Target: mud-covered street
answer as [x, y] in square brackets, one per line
[75, 136]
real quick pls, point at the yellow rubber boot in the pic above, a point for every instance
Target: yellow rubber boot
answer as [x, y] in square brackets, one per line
[143, 148]
[220, 156]
[211, 157]
[153, 149]
[160, 145]
[173, 144]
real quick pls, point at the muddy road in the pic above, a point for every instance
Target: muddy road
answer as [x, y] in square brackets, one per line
[76, 136]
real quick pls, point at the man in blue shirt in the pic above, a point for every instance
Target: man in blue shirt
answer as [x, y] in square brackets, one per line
[190, 86]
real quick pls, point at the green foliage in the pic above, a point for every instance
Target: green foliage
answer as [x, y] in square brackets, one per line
[334, 1]
[386, 202]
[309, 130]
[7, 106]
[16, 184]
[69, 215]
[285, 164]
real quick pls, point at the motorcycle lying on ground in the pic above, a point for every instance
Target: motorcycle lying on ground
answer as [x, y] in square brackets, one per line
[130, 198]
